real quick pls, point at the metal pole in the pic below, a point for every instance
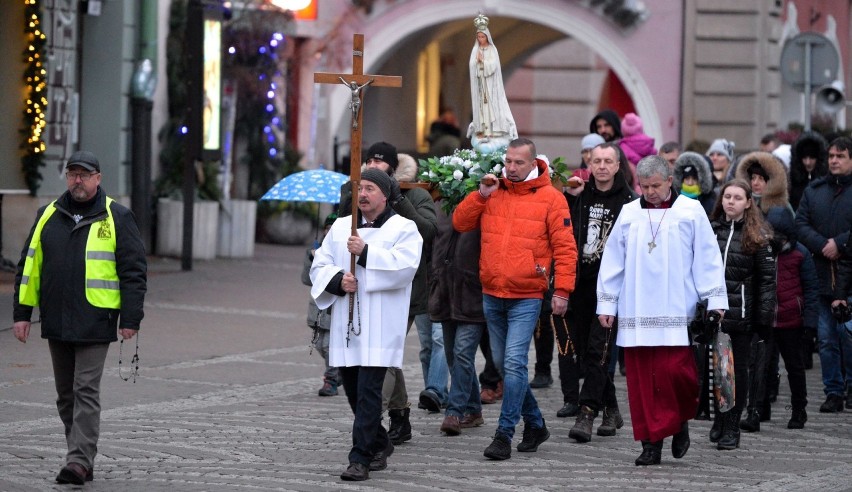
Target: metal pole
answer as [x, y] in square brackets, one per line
[807, 85]
[195, 103]
[140, 154]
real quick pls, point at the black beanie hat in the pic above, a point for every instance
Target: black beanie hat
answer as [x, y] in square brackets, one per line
[380, 178]
[756, 168]
[383, 151]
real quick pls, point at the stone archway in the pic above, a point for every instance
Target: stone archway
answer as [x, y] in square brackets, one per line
[394, 25]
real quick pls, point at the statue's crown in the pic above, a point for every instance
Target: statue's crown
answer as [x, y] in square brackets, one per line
[481, 22]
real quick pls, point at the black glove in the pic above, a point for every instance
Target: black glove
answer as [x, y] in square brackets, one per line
[395, 192]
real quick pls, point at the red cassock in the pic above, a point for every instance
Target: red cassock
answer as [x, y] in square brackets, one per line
[662, 389]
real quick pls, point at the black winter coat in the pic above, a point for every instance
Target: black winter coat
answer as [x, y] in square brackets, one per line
[844, 275]
[826, 212]
[66, 315]
[750, 280]
[455, 291]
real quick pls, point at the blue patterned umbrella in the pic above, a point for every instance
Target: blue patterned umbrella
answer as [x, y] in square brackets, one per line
[316, 185]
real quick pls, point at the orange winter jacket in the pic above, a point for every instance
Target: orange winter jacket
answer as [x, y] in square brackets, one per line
[526, 228]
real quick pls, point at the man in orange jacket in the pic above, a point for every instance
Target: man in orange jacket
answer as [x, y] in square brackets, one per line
[526, 229]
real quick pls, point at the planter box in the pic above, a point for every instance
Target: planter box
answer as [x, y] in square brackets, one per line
[237, 220]
[285, 228]
[205, 218]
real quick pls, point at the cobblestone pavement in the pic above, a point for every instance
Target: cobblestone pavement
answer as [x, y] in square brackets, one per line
[226, 400]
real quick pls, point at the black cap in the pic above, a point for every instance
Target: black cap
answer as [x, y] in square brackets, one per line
[84, 159]
[384, 151]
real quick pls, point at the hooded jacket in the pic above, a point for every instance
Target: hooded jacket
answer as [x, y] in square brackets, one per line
[612, 118]
[775, 192]
[750, 281]
[808, 143]
[705, 178]
[798, 287]
[603, 217]
[526, 228]
[66, 314]
[637, 146]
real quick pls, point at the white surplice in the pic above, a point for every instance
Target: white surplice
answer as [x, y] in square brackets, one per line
[654, 293]
[384, 291]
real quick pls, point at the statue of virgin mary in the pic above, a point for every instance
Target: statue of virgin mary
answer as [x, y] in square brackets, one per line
[493, 126]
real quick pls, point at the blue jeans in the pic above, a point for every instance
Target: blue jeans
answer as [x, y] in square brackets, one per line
[460, 343]
[834, 340]
[433, 360]
[511, 323]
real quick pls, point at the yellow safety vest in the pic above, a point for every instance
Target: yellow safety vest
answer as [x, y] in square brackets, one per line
[102, 287]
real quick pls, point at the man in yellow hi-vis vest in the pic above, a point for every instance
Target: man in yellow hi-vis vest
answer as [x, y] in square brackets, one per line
[84, 266]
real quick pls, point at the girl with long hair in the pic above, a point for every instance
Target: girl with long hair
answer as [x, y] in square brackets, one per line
[744, 239]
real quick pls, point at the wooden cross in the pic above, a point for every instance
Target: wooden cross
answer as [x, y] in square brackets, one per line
[356, 82]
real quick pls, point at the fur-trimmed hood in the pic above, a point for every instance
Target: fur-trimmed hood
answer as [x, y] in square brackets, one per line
[406, 172]
[705, 177]
[775, 194]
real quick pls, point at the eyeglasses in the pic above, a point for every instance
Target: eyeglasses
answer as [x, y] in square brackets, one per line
[83, 176]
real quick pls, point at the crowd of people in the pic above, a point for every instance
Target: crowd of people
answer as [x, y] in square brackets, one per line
[649, 257]
[612, 267]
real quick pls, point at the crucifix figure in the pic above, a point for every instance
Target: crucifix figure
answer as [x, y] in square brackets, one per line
[356, 82]
[355, 103]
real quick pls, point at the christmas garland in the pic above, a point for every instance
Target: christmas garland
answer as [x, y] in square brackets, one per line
[35, 78]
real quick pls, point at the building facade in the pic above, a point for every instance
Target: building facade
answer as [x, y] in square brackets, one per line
[693, 70]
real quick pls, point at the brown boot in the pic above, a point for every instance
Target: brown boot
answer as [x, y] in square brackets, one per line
[582, 430]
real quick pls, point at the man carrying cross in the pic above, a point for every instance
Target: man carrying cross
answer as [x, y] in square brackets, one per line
[387, 248]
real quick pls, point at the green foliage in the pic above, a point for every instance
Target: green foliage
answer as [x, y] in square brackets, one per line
[457, 175]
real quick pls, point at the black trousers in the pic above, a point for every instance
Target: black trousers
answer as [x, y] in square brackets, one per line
[363, 386]
[576, 325]
[789, 344]
[757, 370]
[598, 391]
[489, 377]
[543, 341]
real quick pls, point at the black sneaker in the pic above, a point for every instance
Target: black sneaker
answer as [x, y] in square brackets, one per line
[533, 436]
[833, 404]
[499, 449]
[541, 381]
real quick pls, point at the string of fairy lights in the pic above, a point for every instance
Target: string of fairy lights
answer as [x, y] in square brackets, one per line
[35, 77]
[270, 79]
